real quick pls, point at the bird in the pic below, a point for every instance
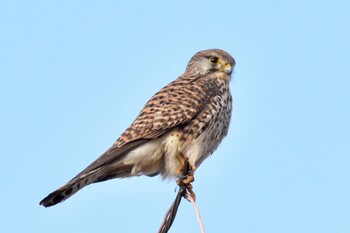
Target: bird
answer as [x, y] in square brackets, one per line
[181, 124]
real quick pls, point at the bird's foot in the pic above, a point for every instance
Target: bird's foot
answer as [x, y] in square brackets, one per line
[185, 182]
[188, 187]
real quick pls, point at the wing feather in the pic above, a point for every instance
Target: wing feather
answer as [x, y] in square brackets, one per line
[174, 105]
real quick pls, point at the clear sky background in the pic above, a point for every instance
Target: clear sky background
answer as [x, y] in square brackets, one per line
[74, 75]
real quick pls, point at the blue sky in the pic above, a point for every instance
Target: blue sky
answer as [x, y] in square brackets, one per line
[74, 75]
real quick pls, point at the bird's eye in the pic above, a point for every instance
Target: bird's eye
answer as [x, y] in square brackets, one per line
[214, 60]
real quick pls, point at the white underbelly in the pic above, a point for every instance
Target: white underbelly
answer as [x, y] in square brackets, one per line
[160, 156]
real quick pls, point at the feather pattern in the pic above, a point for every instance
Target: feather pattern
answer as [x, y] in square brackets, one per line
[190, 115]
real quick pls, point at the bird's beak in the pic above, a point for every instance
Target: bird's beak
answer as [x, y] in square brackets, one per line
[227, 68]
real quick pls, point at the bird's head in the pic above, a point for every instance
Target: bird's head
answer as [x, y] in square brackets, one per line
[211, 61]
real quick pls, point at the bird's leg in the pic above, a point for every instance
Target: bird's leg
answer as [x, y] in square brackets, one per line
[182, 170]
[187, 175]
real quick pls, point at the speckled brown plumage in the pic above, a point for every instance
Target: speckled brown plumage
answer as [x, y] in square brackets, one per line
[190, 116]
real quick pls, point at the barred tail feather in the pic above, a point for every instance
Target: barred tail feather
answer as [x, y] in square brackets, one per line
[60, 194]
[83, 180]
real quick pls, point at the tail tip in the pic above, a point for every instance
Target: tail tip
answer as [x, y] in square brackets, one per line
[52, 199]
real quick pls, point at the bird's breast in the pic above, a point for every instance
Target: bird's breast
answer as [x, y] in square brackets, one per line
[205, 132]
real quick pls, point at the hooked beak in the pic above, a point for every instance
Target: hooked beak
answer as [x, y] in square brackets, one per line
[227, 68]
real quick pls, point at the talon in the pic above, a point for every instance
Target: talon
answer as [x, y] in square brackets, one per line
[188, 179]
[190, 176]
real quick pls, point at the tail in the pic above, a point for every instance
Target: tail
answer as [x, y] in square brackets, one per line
[84, 179]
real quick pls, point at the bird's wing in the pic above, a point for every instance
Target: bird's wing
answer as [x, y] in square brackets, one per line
[174, 105]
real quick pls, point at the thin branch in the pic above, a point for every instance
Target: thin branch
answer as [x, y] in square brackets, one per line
[190, 198]
[184, 192]
[171, 213]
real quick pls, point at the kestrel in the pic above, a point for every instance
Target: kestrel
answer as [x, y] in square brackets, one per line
[185, 121]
